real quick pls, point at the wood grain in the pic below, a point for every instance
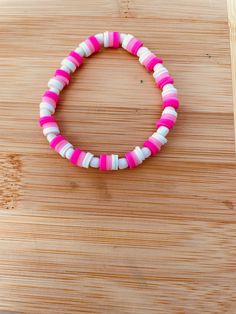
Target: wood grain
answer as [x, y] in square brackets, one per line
[160, 239]
[232, 27]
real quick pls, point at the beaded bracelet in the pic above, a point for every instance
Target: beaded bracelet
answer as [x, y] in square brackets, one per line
[61, 79]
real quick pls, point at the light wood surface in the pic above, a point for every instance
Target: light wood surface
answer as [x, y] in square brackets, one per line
[159, 239]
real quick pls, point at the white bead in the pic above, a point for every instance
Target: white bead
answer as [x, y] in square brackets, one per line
[86, 49]
[142, 50]
[50, 137]
[122, 163]
[159, 137]
[127, 40]
[163, 130]
[122, 37]
[158, 67]
[168, 92]
[94, 162]
[144, 56]
[53, 129]
[54, 90]
[115, 160]
[47, 106]
[69, 152]
[44, 112]
[146, 152]
[170, 110]
[64, 149]
[54, 83]
[87, 159]
[139, 154]
[159, 71]
[106, 39]
[65, 68]
[69, 64]
[80, 51]
[167, 89]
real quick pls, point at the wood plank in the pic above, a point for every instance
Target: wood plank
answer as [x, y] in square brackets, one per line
[159, 239]
[206, 9]
[232, 28]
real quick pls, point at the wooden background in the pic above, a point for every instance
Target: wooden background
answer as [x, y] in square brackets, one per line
[159, 239]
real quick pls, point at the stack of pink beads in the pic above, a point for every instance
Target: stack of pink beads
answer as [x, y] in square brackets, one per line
[74, 60]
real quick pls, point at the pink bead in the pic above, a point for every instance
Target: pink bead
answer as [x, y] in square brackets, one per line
[134, 45]
[102, 162]
[74, 157]
[109, 162]
[169, 116]
[154, 141]
[164, 79]
[46, 119]
[53, 96]
[153, 148]
[60, 145]
[95, 43]
[130, 160]
[170, 102]
[170, 95]
[113, 39]
[81, 158]
[165, 122]
[50, 125]
[116, 39]
[62, 73]
[135, 158]
[61, 79]
[110, 39]
[151, 61]
[56, 141]
[75, 58]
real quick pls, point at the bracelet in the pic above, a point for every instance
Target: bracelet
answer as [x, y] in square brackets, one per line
[61, 79]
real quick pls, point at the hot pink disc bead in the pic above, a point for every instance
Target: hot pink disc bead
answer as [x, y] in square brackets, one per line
[74, 157]
[134, 45]
[154, 148]
[165, 122]
[151, 61]
[168, 120]
[103, 162]
[170, 102]
[50, 97]
[63, 75]
[53, 144]
[93, 44]
[113, 39]
[75, 58]
[131, 161]
[116, 40]
[164, 79]
[46, 119]
[77, 157]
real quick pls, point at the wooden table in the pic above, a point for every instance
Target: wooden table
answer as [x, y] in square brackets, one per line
[159, 239]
